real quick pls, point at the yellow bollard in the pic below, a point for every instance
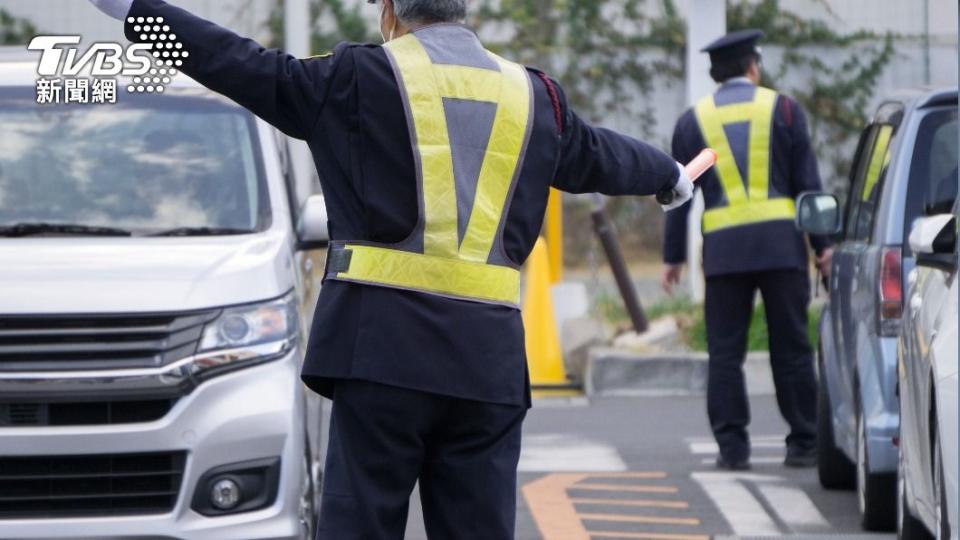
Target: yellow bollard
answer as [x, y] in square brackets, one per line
[554, 232]
[544, 356]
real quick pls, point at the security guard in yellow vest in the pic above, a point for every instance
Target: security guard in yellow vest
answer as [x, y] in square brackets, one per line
[749, 243]
[436, 157]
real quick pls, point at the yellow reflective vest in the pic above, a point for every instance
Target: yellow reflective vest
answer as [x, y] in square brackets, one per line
[441, 257]
[747, 202]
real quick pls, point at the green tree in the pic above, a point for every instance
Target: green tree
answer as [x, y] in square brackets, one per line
[332, 21]
[605, 54]
[15, 30]
[835, 95]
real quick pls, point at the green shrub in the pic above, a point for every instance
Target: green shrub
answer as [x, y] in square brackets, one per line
[758, 336]
[692, 324]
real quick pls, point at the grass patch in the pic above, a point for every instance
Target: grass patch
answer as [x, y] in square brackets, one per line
[692, 324]
[611, 309]
[758, 338]
[671, 306]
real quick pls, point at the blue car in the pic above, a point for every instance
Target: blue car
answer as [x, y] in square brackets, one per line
[858, 406]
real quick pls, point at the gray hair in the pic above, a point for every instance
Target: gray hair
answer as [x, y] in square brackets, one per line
[430, 11]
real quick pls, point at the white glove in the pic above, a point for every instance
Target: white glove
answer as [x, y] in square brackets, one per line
[117, 9]
[682, 192]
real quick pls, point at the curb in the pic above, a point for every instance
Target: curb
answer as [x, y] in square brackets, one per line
[623, 372]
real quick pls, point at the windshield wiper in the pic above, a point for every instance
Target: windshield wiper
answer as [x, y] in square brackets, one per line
[201, 231]
[31, 229]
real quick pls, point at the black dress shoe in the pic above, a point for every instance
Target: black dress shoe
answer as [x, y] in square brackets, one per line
[800, 457]
[733, 465]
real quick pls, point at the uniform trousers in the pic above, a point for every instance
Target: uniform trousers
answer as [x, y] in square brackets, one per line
[383, 439]
[728, 311]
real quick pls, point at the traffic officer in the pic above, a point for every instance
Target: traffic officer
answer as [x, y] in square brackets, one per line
[436, 158]
[750, 242]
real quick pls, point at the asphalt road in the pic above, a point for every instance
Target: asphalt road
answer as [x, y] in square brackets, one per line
[615, 468]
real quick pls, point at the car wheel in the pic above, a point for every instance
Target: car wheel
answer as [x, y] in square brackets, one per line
[833, 468]
[908, 527]
[876, 495]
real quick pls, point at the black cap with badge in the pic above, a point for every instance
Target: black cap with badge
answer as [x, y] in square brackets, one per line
[734, 45]
[730, 54]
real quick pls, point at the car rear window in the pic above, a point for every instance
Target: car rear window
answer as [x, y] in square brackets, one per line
[933, 169]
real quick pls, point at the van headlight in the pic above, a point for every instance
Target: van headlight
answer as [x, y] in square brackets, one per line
[248, 334]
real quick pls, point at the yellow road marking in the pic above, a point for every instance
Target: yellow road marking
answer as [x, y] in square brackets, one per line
[546, 393]
[630, 502]
[626, 487]
[641, 519]
[552, 510]
[556, 517]
[649, 536]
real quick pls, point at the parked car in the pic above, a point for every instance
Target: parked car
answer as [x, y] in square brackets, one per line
[927, 374]
[859, 414]
[154, 291]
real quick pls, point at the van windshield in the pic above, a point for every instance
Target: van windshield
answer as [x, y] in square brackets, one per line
[183, 162]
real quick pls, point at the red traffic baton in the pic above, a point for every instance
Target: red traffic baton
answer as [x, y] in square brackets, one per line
[705, 159]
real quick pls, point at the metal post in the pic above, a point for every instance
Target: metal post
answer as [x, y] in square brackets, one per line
[296, 40]
[296, 27]
[706, 21]
[608, 239]
[926, 42]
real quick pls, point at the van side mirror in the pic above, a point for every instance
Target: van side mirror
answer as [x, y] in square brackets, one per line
[312, 230]
[818, 213]
[934, 241]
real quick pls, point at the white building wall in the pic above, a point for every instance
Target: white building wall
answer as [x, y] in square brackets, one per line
[247, 17]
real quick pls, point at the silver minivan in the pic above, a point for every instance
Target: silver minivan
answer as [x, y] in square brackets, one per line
[155, 290]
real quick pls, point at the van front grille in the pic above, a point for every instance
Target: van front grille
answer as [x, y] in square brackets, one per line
[90, 485]
[90, 342]
[80, 413]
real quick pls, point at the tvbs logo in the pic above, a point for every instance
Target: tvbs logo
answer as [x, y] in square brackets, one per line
[69, 75]
[59, 56]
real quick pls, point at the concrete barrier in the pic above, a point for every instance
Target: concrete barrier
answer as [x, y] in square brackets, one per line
[622, 372]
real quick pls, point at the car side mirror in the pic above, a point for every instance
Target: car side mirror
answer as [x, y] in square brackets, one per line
[934, 241]
[312, 232]
[818, 213]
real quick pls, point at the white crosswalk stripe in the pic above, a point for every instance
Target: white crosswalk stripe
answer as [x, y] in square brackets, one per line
[739, 507]
[712, 448]
[793, 506]
[745, 512]
[558, 452]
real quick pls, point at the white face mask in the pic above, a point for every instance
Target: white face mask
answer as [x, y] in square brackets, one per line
[383, 7]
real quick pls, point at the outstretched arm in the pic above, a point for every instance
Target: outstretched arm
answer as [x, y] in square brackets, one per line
[283, 90]
[594, 159]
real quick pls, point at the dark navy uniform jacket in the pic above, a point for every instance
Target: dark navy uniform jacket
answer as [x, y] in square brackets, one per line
[347, 106]
[771, 245]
